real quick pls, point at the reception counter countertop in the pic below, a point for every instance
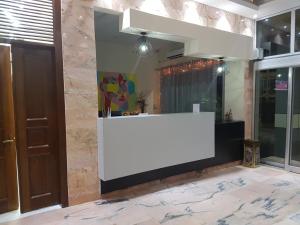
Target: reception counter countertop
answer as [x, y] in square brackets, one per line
[135, 144]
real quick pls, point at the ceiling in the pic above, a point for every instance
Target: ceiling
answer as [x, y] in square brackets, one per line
[260, 2]
[253, 9]
[107, 30]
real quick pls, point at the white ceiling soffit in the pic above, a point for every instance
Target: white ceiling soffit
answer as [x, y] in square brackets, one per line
[199, 41]
[239, 7]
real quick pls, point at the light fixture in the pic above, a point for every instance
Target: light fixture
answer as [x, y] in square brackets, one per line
[279, 75]
[143, 46]
[285, 27]
[266, 20]
[222, 68]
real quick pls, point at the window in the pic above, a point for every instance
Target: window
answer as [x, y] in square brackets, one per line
[274, 35]
[297, 31]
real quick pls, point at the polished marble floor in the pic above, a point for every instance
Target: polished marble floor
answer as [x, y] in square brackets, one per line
[232, 196]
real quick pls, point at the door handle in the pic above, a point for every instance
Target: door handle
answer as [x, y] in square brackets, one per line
[8, 141]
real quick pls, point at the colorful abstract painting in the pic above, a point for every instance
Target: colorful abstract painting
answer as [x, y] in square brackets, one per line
[117, 91]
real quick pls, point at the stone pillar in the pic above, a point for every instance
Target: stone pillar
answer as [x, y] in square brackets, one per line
[248, 97]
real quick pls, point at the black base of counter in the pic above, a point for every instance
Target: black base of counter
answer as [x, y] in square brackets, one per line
[229, 137]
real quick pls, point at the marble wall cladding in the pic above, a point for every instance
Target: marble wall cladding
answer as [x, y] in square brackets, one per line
[248, 98]
[79, 57]
[185, 10]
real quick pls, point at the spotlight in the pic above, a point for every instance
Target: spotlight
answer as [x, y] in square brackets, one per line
[220, 69]
[143, 46]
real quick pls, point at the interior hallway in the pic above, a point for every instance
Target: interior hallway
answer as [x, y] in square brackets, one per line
[232, 196]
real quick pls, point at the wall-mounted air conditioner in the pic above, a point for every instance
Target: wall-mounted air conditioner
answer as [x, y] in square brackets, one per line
[174, 54]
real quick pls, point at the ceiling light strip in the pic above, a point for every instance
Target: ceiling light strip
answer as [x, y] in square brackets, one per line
[34, 12]
[22, 25]
[27, 20]
[25, 7]
[27, 4]
[23, 37]
[26, 32]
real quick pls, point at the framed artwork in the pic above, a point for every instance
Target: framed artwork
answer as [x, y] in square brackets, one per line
[116, 91]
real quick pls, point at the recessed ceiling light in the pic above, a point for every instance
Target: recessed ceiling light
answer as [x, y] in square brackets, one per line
[266, 20]
[255, 16]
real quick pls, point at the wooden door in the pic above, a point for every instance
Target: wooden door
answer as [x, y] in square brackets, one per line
[36, 126]
[8, 165]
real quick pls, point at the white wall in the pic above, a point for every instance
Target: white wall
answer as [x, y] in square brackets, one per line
[200, 41]
[112, 57]
[179, 138]
[234, 89]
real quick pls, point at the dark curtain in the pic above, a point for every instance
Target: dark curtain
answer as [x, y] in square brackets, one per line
[179, 91]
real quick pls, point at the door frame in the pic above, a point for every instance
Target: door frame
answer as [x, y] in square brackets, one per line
[9, 148]
[63, 188]
[289, 62]
[60, 96]
[64, 200]
[60, 103]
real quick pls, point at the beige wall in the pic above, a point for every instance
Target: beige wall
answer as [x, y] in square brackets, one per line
[248, 99]
[79, 56]
[239, 93]
[234, 89]
[112, 57]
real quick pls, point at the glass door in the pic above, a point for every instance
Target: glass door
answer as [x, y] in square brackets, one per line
[272, 87]
[294, 153]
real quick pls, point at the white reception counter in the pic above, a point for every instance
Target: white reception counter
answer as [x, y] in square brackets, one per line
[136, 144]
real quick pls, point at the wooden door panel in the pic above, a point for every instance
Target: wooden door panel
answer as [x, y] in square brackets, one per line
[8, 166]
[3, 184]
[36, 117]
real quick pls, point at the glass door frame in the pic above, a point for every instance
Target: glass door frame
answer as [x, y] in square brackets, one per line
[290, 62]
[288, 155]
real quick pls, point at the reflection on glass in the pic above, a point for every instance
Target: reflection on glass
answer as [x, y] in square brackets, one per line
[297, 33]
[274, 34]
[295, 142]
[272, 97]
